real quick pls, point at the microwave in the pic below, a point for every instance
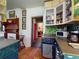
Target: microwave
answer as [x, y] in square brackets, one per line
[62, 34]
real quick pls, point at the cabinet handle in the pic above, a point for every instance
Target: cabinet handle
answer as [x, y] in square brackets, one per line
[70, 56]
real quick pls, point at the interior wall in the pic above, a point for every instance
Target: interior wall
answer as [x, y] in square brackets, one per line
[31, 12]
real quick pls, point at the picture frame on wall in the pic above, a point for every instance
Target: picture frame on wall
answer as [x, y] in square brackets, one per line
[12, 14]
[23, 23]
[23, 12]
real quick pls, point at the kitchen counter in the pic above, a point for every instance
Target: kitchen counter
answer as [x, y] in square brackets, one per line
[7, 42]
[66, 48]
[9, 49]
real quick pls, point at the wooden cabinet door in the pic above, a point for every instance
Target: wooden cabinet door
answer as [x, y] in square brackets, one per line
[12, 26]
[75, 9]
[48, 4]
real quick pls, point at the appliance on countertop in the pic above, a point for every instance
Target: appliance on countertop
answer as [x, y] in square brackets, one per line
[62, 34]
[73, 37]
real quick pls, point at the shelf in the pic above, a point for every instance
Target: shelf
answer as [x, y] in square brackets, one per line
[61, 11]
[67, 22]
[60, 23]
[50, 24]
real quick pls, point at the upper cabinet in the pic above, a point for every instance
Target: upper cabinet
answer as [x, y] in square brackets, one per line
[59, 12]
[71, 11]
[75, 9]
[68, 10]
[52, 3]
[48, 4]
[3, 10]
[50, 16]
[54, 13]
[2, 2]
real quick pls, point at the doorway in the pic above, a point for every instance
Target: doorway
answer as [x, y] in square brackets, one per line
[37, 30]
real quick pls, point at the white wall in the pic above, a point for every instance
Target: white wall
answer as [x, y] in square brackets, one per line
[31, 12]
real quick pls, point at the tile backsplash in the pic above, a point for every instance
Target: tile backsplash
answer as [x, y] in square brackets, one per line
[51, 30]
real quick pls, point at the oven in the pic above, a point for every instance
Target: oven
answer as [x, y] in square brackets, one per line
[73, 37]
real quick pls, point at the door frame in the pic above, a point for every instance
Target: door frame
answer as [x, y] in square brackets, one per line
[32, 42]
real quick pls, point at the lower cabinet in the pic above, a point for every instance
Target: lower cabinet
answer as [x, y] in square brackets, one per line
[61, 55]
[10, 52]
[68, 56]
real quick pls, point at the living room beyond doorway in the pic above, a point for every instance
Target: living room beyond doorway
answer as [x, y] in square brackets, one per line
[37, 26]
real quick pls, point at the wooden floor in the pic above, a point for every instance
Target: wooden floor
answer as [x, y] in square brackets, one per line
[30, 53]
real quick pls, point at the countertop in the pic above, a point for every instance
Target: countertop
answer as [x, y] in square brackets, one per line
[4, 43]
[66, 48]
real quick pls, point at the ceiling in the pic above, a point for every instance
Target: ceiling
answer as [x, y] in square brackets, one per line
[11, 4]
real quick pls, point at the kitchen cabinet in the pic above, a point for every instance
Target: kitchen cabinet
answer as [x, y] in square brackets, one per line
[48, 4]
[9, 49]
[50, 16]
[52, 3]
[2, 2]
[49, 13]
[59, 13]
[9, 52]
[62, 12]
[18, 13]
[55, 14]
[2, 15]
[72, 7]
[60, 55]
[68, 10]
[62, 51]
[71, 13]
[67, 51]
[75, 9]
[12, 26]
[3, 10]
